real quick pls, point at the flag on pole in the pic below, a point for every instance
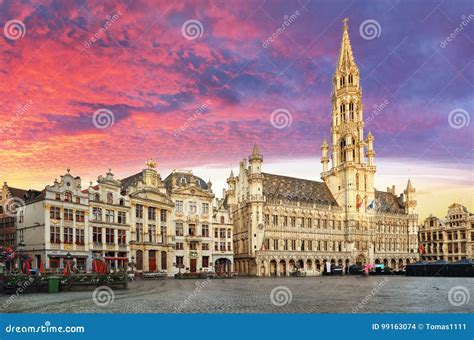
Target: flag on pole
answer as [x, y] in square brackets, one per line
[371, 205]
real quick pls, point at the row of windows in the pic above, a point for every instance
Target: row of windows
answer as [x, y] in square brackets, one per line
[110, 236]
[218, 246]
[303, 222]
[151, 236]
[68, 235]
[109, 200]
[450, 236]
[350, 80]
[192, 207]
[151, 213]
[303, 245]
[97, 215]
[68, 214]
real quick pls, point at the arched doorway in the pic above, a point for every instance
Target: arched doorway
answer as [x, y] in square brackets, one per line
[400, 264]
[318, 265]
[385, 263]
[139, 260]
[393, 264]
[152, 260]
[282, 268]
[291, 266]
[273, 268]
[408, 261]
[309, 264]
[300, 264]
[339, 263]
[377, 261]
[360, 260]
[222, 266]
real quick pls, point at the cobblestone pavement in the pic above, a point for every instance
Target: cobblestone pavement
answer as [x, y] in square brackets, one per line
[380, 294]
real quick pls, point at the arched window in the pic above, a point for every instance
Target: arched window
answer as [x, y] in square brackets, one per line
[342, 146]
[110, 198]
[97, 197]
[342, 81]
[122, 202]
[351, 79]
[351, 111]
[357, 181]
[183, 181]
[222, 220]
[68, 196]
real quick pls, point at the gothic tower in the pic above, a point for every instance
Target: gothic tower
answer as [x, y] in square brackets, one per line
[351, 176]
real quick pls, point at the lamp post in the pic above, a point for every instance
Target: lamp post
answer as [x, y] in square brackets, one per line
[68, 260]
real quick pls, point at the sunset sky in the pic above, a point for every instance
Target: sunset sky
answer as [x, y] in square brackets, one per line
[201, 101]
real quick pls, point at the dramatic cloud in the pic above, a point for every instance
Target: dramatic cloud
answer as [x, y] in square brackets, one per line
[218, 82]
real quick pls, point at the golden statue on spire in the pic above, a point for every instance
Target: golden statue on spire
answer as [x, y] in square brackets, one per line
[151, 164]
[345, 21]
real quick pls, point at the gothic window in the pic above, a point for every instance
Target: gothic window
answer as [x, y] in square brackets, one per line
[357, 181]
[351, 79]
[342, 81]
[351, 111]
[342, 146]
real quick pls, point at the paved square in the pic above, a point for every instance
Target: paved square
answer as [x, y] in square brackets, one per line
[375, 294]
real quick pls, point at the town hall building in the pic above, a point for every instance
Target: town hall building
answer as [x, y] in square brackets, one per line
[284, 225]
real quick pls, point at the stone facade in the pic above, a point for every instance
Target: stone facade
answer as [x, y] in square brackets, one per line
[191, 220]
[283, 225]
[152, 242]
[109, 221]
[54, 223]
[451, 238]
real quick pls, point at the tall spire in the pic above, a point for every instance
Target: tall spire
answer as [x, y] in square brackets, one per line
[346, 58]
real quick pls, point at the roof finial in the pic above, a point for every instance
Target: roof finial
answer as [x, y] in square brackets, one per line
[346, 26]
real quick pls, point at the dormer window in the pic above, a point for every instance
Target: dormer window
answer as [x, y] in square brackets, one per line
[183, 181]
[58, 196]
[68, 196]
[110, 198]
[122, 202]
[97, 197]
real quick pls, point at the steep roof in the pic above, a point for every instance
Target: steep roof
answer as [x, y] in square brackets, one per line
[15, 192]
[187, 176]
[296, 189]
[126, 182]
[388, 203]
